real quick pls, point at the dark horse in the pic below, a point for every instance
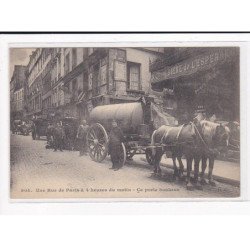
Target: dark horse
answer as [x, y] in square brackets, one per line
[187, 140]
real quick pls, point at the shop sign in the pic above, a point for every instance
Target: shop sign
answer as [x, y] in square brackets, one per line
[191, 66]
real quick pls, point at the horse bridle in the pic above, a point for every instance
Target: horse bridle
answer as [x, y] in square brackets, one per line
[201, 138]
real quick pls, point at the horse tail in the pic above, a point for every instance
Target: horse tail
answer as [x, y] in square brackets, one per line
[153, 143]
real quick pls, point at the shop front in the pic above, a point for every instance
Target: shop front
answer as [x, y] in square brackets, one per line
[209, 79]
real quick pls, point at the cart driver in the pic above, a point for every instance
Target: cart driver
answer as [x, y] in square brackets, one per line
[116, 138]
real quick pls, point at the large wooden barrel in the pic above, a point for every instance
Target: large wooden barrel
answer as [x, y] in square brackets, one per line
[128, 116]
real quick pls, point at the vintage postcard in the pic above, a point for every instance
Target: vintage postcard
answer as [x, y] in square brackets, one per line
[124, 122]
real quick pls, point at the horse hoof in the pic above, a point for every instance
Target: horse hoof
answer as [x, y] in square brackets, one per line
[212, 183]
[190, 186]
[203, 182]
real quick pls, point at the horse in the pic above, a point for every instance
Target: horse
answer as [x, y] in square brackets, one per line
[229, 137]
[180, 140]
[198, 140]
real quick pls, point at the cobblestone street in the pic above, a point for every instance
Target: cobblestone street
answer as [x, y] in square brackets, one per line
[37, 172]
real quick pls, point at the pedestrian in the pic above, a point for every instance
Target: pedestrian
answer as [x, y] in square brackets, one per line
[33, 130]
[49, 135]
[67, 141]
[58, 136]
[116, 138]
[200, 114]
[82, 137]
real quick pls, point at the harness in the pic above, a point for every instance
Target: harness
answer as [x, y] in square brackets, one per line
[167, 132]
[200, 136]
[196, 131]
[202, 140]
[182, 126]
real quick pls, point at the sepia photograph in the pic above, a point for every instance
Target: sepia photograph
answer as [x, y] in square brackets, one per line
[124, 122]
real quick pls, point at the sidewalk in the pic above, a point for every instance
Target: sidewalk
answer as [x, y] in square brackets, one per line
[224, 171]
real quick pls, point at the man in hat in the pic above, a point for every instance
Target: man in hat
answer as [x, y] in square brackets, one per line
[81, 136]
[116, 138]
[58, 136]
[200, 114]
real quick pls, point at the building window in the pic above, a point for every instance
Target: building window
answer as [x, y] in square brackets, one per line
[67, 64]
[133, 74]
[74, 58]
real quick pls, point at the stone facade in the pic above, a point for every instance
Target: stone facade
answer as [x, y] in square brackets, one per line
[18, 92]
[71, 81]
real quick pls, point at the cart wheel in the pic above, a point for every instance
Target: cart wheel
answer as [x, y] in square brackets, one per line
[97, 141]
[123, 155]
[149, 156]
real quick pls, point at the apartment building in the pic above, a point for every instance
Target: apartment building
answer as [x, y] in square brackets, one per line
[38, 69]
[71, 81]
[18, 89]
[116, 75]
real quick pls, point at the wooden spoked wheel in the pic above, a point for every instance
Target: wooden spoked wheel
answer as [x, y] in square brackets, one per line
[149, 156]
[97, 140]
[123, 155]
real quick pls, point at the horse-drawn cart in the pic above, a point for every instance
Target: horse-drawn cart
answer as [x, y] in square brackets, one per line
[39, 127]
[20, 127]
[136, 121]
